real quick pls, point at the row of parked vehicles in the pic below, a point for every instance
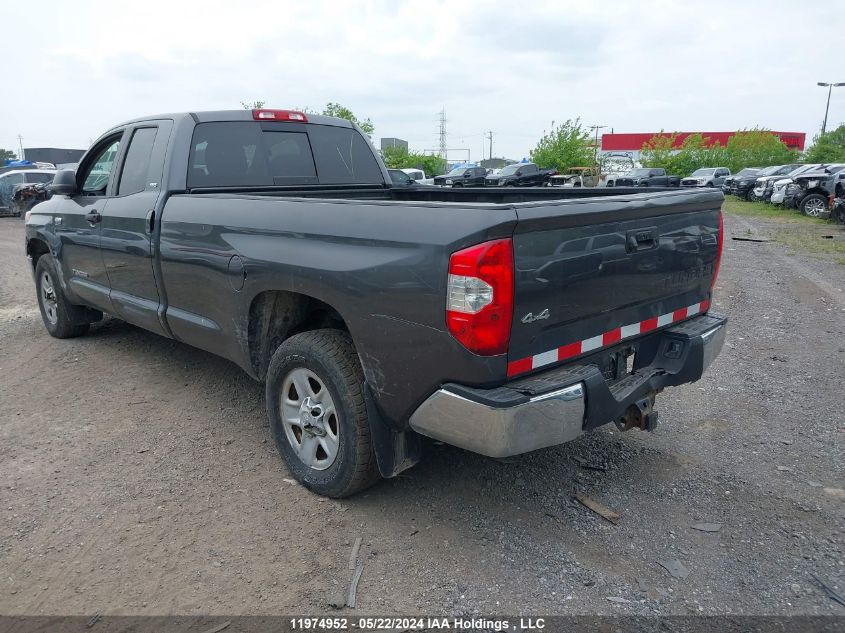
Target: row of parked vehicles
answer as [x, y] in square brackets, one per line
[812, 189]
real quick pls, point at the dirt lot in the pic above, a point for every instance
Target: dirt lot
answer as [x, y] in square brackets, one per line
[138, 476]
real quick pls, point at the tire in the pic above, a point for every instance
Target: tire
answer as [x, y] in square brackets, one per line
[709, 184]
[315, 381]
[457, 185]
[814, 205]
[61, 318]
[749, 195]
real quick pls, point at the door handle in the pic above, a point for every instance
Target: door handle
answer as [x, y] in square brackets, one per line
[93, 217]
[151, 221]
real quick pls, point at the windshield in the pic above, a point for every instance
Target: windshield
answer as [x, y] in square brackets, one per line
[748, 171]
[835, 169]
[703, 172]
[510, 169]
[638, 172]
[457, 171]
[768, 171]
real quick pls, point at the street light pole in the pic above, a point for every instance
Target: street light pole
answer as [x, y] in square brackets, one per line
[596, 146]
[830, 87]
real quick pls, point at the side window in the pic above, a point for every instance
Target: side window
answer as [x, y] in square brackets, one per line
[37, 178]
[133, 178]
[97, 176]
[7, 183]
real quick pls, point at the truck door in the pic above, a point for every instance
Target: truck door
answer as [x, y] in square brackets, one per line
[129, 223]
[77, 225]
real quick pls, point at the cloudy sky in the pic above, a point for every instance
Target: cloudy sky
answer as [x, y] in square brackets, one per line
[75, 68]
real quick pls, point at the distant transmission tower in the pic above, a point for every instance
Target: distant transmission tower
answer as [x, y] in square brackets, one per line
[443, 150]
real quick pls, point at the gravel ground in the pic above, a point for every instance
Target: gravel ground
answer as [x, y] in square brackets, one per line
[138, 476]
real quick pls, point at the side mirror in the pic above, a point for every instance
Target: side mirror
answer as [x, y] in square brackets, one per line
[467, 174]
[64, 183]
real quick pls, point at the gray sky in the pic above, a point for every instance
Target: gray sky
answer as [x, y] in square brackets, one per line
[75, 68]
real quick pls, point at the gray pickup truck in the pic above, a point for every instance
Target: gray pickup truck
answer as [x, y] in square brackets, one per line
[501, 321]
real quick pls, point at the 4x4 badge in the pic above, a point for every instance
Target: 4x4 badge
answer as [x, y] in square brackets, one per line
[530, 317]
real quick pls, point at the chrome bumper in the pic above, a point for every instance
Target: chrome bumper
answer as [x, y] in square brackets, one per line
[506, 421]
[545, 420]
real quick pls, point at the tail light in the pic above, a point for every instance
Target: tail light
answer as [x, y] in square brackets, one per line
[479, 304]
[279, 115]
[719, 245]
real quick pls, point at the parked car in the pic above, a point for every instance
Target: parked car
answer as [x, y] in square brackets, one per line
[463, 177]
[372, 320]
[742, 174]
[777, 195]
[27, 196]
[647, 177]
[418, 175]
[744, 187]
[401, 178]
[815, 189]
[706, 177]
[520, 175]
[764, 185]
[576, 177]
[12, 180]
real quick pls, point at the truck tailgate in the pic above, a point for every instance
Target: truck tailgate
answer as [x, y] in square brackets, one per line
[591, 273]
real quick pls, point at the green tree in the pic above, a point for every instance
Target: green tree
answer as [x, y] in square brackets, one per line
[757, 148]
[253, 105]
[747, 148]
[564, 146]
[7, 154]
[401, 158]
[828, 148]
[342, 112]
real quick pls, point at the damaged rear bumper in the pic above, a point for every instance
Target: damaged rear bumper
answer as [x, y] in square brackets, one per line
[556, 406]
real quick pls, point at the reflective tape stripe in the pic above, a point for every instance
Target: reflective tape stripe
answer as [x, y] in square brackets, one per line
[606, 339]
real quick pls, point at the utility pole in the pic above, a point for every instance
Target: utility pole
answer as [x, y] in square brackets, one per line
[20, 146]
[443, 150]
[490, 138]
[830, 87]
[596, 146]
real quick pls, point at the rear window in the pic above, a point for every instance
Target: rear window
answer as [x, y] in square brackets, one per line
[238, 154]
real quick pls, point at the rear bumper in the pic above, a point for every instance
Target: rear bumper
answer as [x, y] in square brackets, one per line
[557, 405]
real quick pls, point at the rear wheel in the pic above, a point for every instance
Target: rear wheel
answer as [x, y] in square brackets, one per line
[814, 205]
[318, 415]
[61, 318]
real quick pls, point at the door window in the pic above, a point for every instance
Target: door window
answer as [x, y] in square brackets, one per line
[7, 183]
[136, 167]
[36, 178]
[97, 176]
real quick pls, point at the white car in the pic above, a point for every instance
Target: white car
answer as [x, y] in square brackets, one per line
[418, 176]
[12, 179]
[764, 186]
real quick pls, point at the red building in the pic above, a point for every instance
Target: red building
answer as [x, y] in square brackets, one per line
[635, 142]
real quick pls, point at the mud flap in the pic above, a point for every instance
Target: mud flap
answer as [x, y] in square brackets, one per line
[395, 450]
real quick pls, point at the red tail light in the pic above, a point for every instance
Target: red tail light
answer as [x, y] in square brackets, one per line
[719, 246]
[479, 303]
[279, 115]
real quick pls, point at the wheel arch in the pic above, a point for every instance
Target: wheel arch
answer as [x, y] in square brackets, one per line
[276, 315]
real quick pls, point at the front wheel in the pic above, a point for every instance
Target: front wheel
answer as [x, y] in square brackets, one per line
[318, 415]
[814, 205]
[61, 318]
[749, 195]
